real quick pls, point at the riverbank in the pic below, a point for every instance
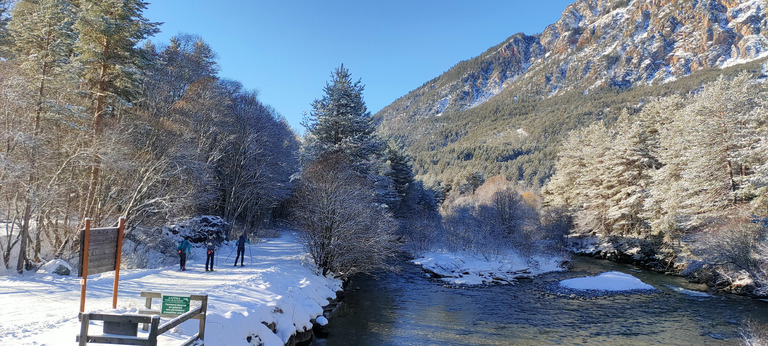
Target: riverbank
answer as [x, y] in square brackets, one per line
[472, 269]
[725, 277]
[275, 296]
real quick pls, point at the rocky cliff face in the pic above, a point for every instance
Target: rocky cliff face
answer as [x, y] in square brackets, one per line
[615, 43]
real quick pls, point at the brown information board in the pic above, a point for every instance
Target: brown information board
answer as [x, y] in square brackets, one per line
[102, 250]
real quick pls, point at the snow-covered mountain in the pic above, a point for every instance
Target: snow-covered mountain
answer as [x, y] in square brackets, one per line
[615, 43]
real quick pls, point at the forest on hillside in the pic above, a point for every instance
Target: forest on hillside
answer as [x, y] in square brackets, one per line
[688, 175]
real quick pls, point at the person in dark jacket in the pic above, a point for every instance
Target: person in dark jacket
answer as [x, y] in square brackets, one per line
[241, 249]
[183, 248]
[210, 247]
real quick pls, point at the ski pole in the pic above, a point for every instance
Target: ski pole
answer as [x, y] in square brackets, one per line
[250, 253]
[230, 254]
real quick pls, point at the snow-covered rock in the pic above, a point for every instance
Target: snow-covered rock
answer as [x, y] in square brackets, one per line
[57, 266]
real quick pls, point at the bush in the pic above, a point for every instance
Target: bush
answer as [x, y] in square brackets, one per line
[497, 218]
[738, 250]
[345, 230]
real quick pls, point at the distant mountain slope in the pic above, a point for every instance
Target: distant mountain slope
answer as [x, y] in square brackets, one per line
[596, 45]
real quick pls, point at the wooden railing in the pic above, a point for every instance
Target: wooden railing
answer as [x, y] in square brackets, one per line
[122, 329]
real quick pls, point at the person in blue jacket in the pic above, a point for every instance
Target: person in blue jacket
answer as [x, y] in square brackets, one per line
[241, 249]
[183, 248]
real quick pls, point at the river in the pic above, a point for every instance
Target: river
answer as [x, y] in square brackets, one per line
[409, 308]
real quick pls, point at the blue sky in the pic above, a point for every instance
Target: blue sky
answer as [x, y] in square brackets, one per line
[288, 49]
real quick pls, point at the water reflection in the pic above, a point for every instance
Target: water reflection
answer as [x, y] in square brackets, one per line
[410, 309]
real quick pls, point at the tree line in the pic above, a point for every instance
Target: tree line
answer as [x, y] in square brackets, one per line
[689, 173]
[96, 121]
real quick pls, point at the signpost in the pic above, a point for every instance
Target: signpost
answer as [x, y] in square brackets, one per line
[101, 250]
[175, 305]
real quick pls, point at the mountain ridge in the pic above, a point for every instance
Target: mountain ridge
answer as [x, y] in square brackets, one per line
[596, 45]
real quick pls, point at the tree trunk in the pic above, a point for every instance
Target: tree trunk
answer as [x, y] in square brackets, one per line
[98, 123]
[24, 238]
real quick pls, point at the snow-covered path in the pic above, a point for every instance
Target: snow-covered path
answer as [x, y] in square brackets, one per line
[277, 285]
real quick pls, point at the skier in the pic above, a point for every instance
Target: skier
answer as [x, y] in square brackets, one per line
[241, 249]
[211, 251]
[183, 248]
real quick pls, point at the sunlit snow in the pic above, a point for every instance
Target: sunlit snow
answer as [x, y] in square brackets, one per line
[608, 281]
[277, 284]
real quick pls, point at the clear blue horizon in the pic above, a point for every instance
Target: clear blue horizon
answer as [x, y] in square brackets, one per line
[287, 50]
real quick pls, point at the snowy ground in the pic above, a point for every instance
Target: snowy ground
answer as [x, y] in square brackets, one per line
[277, 285]
[464, 269]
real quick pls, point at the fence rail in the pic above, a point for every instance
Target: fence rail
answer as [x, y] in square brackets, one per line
[122, 329]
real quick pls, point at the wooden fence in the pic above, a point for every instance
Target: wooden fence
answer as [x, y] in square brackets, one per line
[122, 329]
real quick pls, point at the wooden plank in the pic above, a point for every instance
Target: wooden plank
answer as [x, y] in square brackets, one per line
[104, 243]
[104, 229]
[131, 318]
[151, 295]
[160, 295]
[155, 312]
[179, 320]
[102, 250]
[101, 258]
[191, 340]
[114, 340]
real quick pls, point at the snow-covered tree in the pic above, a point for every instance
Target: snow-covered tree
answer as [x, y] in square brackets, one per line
[345, 231]
[341, 121]
[703, 169]
[628, 165]
[43, 41]
[579, 180]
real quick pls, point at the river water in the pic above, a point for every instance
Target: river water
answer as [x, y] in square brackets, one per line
[409, 308]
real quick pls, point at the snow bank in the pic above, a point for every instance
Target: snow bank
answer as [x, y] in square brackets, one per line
[276, 286]
[466, 269]
[608, 281]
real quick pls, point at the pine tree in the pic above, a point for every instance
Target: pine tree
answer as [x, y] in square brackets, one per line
[4, 35]
[107, 49]
[43, 40]
[630, 163]
[579, 180]
[340, 121]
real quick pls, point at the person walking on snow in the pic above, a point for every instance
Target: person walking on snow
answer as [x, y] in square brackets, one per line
[211, 251]
[241, 249]
[183, 248]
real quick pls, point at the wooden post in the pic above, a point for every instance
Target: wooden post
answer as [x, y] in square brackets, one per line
[84, 265]
[148, 305]
[84, 322]
[204, 312]
[153, 330]
[120, 229]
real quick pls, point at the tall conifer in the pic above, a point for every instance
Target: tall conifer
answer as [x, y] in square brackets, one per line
[341, 121]
[110, 31]
[42, 43]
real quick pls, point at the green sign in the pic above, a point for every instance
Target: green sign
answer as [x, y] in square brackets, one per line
[175, 305]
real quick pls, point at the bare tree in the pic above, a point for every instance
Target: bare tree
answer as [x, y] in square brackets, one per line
[345, 231]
